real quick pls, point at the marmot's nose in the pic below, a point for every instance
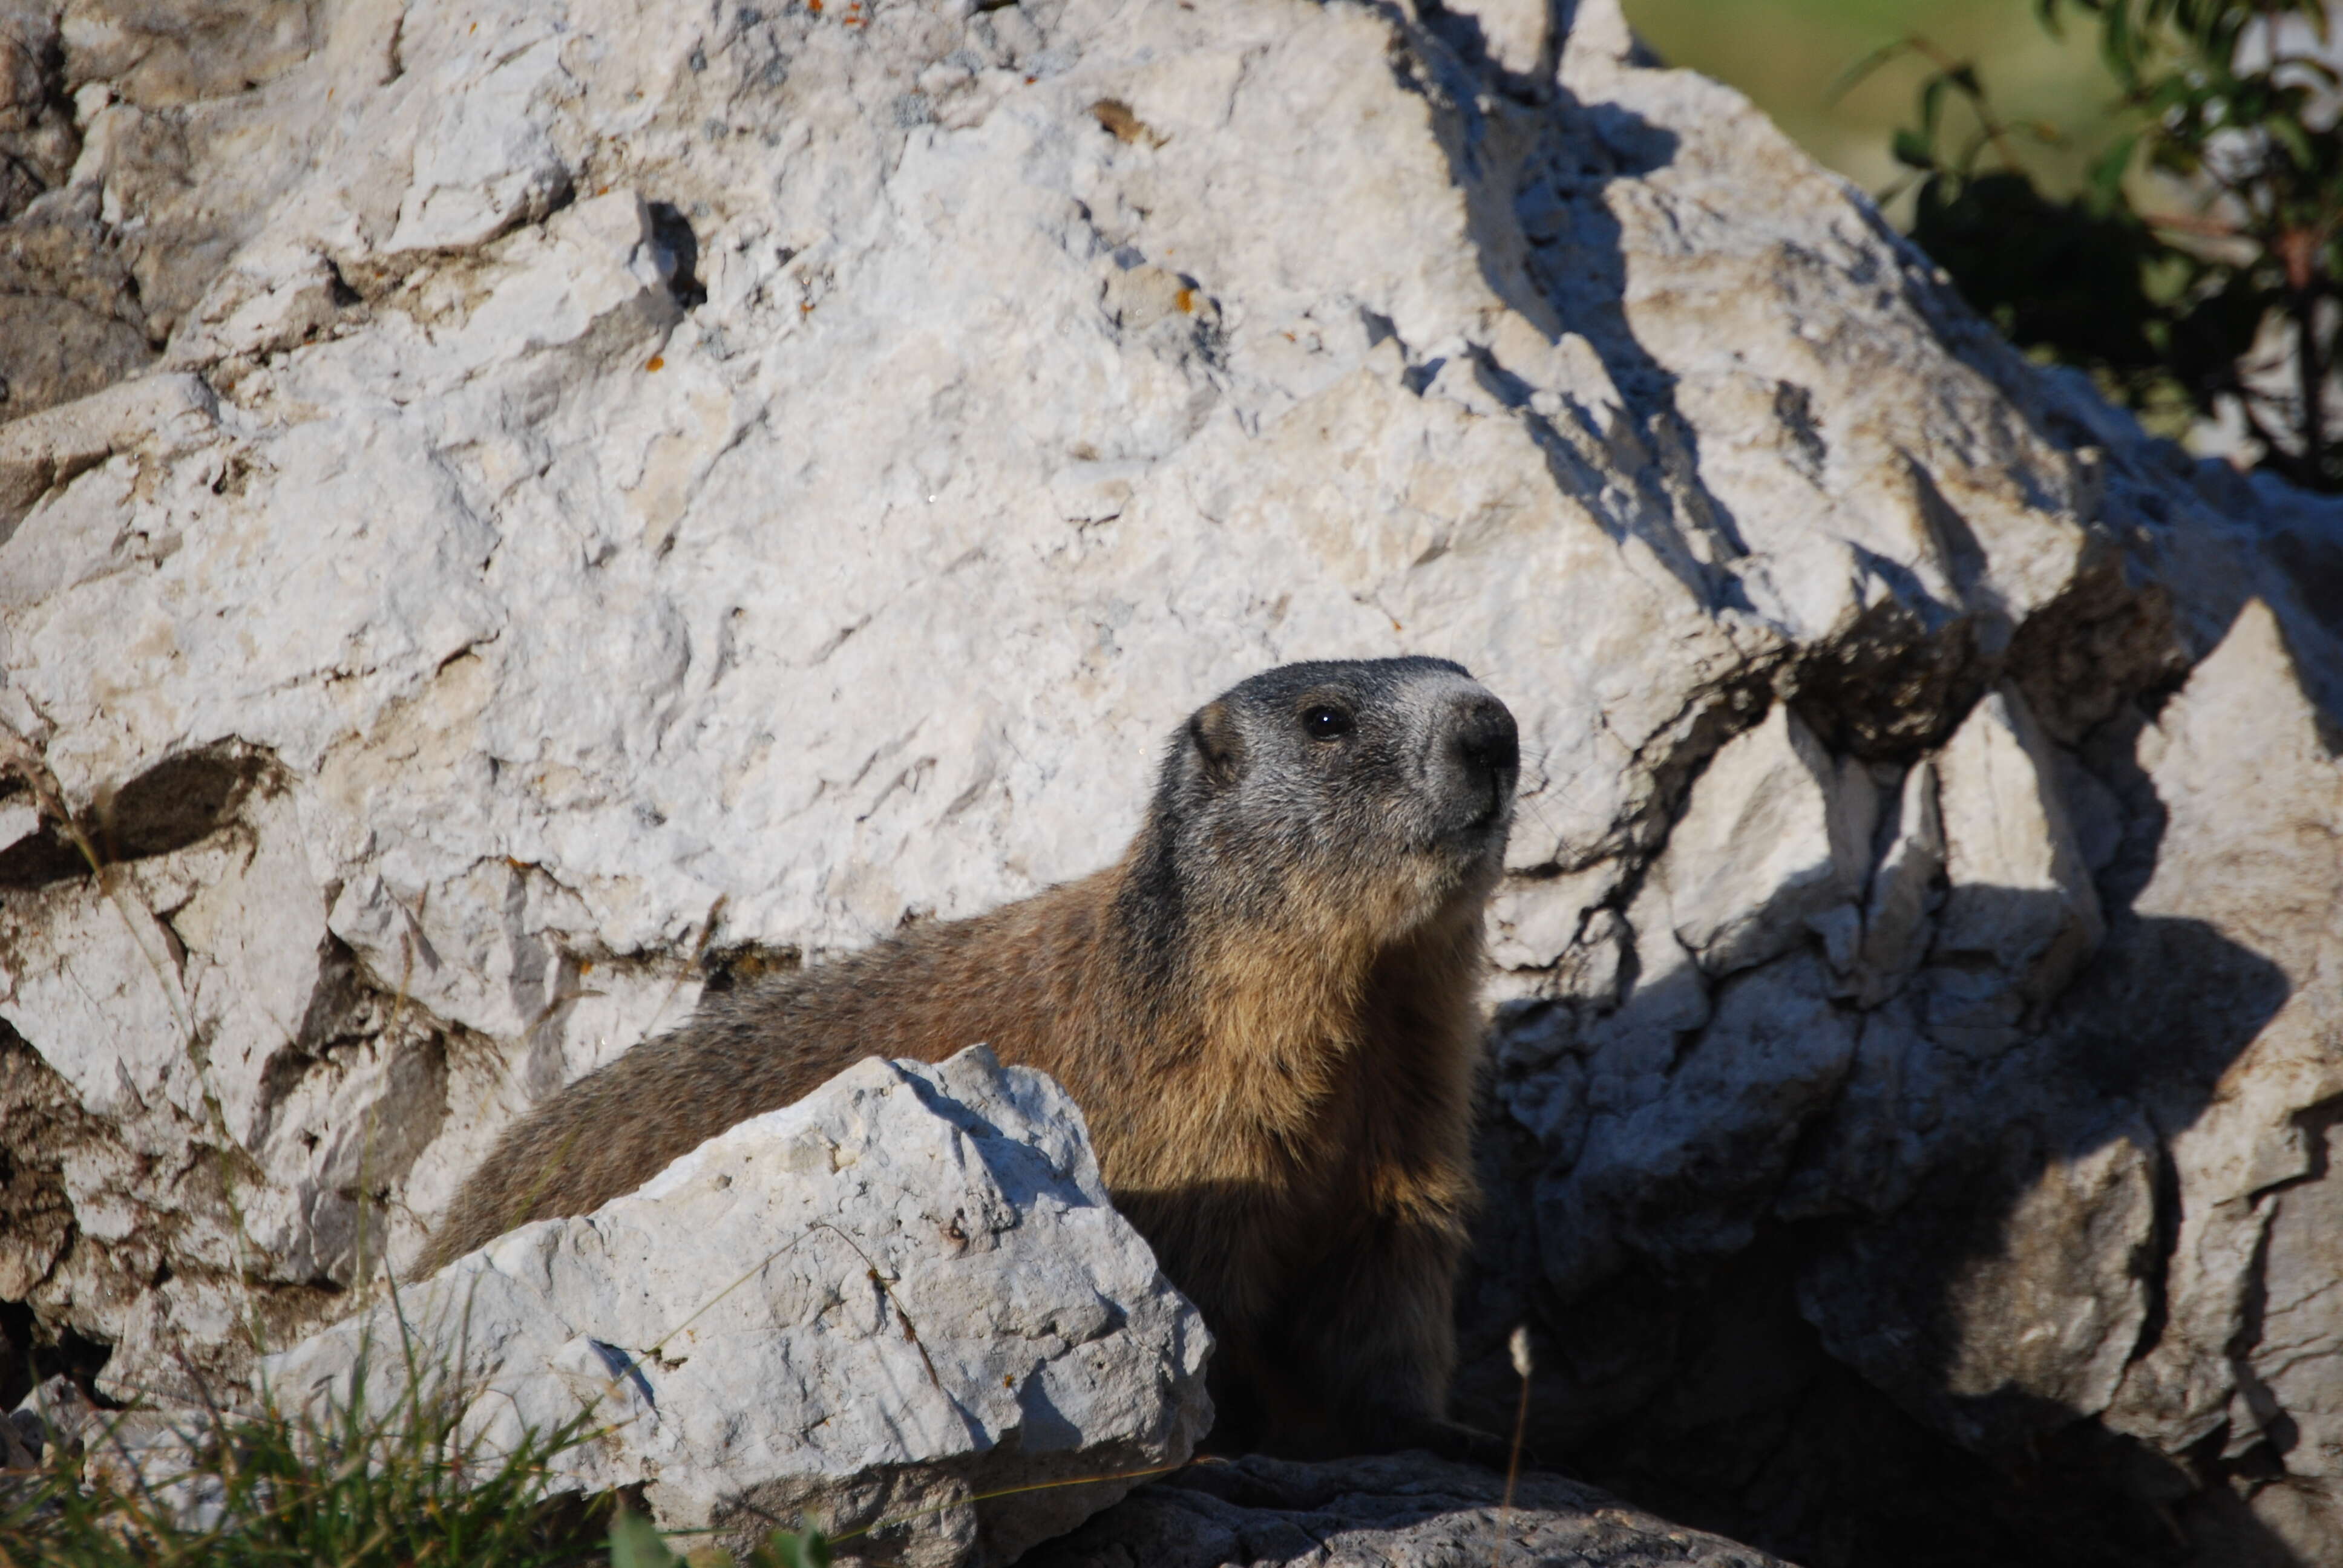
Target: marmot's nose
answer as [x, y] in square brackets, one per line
[1481, 736]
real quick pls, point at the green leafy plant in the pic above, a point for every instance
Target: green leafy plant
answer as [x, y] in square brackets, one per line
[2215, 216]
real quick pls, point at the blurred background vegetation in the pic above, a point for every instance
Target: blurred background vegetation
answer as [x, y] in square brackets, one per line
[2149, 190]
[1787, 56]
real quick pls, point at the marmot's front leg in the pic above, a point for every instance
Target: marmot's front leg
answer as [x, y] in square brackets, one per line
[1374, 1345]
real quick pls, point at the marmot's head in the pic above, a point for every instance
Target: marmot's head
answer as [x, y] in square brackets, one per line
[1359, 798]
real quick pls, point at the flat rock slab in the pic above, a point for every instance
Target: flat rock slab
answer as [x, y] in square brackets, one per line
[907, 1289]
[1391, 1511]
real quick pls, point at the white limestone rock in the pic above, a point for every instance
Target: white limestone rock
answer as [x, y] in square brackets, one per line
[2243, 925]
[1899, 921]
[820, 518]
[1688, 1170]
[1777, 834]
[2021, 902]
[1517, 36]
[2021, 893]
[649, 489]
[2302, 1322]
[906, 1288]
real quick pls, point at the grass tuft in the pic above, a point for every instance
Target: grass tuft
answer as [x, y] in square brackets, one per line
[406, 1487]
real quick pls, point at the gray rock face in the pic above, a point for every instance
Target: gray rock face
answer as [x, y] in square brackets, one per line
[2021, 902]
[626, 496]
[2058, 1207]
[1404, 1512]
[1774, 843]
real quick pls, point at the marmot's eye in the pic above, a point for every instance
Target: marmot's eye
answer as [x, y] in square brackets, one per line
[1325, 723]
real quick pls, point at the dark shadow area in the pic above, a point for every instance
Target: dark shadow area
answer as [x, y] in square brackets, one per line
[30, 1356]
[179, 801]
[673, 234]
[41, 1126]
[1819, 1393]
[1550, 248]
[1882, 690]
[1803, 1394]
[1746, 1426]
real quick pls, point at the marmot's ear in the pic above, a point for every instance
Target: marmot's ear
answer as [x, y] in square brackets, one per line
[1214, 729]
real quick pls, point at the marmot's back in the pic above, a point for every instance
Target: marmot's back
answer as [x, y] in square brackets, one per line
[762, 1045]
[1266, 1010]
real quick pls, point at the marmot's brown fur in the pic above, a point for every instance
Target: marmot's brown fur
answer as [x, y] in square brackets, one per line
[1266, 1010]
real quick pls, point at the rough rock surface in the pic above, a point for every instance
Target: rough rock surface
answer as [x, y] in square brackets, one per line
[623, 499]
[954, 1307]
[1405, 1511]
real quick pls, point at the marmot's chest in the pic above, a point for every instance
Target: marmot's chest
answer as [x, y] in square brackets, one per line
[1305, 1146]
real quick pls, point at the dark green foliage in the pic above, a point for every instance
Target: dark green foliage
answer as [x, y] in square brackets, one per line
[2046, 272]
[2162, 300]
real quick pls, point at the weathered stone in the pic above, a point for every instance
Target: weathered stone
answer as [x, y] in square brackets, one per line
[905, 1289]
[1517, 36]
[159, 54]
[2021, 911]
[2021, 893]
[148, 140]
[1408, 1511]
[1685, 1169]
[1897, 920]
[634, 494]
[2000, 1319]
[41, 452]
[23, 1441]
[2241, 925]
[38, 143]
[2296, 1354]
[1870, 1150]
[70, 319]
[1531, 924]
[1776, 835]
[59, 1413]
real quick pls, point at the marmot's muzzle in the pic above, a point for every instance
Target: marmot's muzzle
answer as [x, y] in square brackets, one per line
[1476, 759]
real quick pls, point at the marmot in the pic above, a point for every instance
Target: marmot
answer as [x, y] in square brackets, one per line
[1267, 1011]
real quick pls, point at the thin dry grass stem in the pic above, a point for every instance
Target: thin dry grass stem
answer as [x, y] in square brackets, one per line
[910, 1333]
[1519, 1345]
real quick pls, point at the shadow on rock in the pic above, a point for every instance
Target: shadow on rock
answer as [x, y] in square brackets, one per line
[1909, 1372]
[1852, 1258]
[1396, 1511]
[1551, 249]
